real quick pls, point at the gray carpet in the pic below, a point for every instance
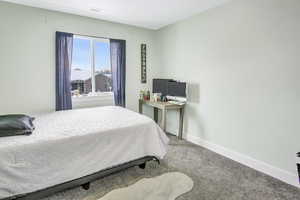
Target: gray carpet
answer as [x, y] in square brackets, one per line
[215, 178]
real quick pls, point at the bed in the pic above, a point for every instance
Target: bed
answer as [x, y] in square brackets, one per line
[76, 145]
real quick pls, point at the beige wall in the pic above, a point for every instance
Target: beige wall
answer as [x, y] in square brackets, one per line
[27, 55]
[243, 62]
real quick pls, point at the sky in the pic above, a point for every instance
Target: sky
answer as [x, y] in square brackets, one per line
[81, 54]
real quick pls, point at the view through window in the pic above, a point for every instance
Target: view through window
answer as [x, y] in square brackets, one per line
[91, 69]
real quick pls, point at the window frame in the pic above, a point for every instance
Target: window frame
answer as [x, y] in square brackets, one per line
[92, 56]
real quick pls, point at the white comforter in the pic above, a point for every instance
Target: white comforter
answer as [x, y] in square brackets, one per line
[70, 144]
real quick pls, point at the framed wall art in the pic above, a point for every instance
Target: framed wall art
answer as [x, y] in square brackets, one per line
[143, 63]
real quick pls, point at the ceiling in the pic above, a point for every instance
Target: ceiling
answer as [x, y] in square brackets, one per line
[152, 14]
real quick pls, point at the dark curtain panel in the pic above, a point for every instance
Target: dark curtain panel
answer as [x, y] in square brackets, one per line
[118, 67]
[64, 46]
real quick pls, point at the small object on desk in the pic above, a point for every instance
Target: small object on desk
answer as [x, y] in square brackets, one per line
[164, 106]
[148, 95]
[175, 98]
[141, 94]
[156, 96]
[145, 95]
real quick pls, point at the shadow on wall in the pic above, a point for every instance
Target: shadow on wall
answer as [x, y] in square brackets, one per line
[193, 93]
[193, 121]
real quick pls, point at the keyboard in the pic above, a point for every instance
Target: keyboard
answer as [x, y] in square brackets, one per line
[176, 103]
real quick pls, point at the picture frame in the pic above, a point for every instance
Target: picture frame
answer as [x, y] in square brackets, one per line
[143, 63]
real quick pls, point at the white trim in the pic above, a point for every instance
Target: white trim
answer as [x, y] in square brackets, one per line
[92, 61]
[99, 95]
[258, 165]
[106, 99]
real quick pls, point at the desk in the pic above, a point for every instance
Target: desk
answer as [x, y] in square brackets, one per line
[164, 106]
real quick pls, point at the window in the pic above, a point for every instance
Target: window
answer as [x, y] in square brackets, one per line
[91, 69]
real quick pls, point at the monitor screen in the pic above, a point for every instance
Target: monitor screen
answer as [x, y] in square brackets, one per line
[160, 86]
[169, 87]
[177, 89]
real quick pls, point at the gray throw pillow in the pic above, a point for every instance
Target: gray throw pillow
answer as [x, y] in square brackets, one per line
[12, 125]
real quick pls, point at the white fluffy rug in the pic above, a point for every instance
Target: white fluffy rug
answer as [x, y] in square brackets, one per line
[168, 186]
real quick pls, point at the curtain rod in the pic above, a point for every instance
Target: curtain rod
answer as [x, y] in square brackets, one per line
[83, 35]
[92, 36]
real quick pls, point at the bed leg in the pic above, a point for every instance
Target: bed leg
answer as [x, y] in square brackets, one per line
[142, 166]
[86, 186]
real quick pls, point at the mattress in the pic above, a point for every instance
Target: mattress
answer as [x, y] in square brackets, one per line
[67, 145]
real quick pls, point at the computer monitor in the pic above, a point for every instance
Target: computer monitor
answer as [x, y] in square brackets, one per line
[177, 89]
[160, 86]
[169, 87]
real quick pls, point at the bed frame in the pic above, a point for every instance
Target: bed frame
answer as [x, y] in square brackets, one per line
[83, 181]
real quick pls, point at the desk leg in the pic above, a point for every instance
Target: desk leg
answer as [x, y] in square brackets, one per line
[181, 123]
[163, 119]
[140, 107]
[155, 114]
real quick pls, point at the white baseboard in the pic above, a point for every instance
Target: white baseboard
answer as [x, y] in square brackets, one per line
[270, 170]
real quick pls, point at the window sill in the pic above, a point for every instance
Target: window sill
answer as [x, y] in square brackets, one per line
[102, 99]
[91, 97]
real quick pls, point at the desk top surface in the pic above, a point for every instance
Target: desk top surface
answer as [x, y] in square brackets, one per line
[160, 104]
